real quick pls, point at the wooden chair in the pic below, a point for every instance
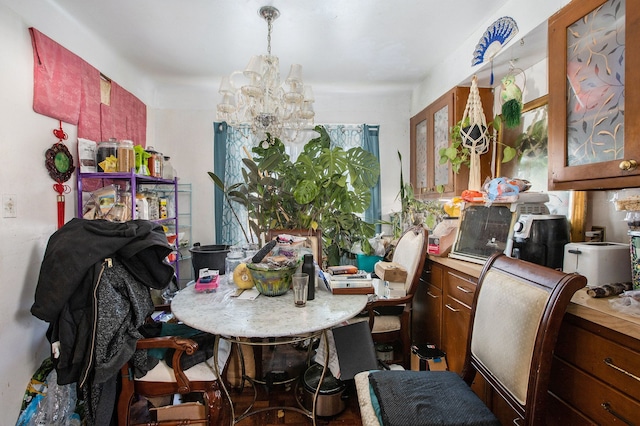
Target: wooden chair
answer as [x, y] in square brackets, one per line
[515, 319]
[163, 380]
[410, 252]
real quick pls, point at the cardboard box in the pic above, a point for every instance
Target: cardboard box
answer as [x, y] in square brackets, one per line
[394, 290]
[391, 271]
[186, 411]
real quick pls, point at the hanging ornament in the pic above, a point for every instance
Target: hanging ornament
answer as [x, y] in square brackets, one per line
[59, 164]
[511, 97]
[494, 38]
[475, 136]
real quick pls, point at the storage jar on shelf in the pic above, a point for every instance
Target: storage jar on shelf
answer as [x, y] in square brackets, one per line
[107, 156]
[126, 156]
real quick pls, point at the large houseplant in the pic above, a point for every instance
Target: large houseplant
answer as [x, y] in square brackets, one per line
[325, 188]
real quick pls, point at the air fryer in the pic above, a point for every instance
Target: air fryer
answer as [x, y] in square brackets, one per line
[541, 239]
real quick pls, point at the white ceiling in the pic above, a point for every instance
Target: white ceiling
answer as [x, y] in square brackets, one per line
[338, 42]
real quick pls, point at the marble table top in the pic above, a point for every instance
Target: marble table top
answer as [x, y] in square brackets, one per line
[220, 313]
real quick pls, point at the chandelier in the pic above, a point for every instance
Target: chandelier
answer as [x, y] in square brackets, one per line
[256, 97]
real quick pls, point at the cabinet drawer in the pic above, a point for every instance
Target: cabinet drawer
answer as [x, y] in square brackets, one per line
[614, 364]
[437, 274]
[601, 403]
[461, 287]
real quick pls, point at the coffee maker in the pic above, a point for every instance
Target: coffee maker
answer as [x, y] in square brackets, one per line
[541, 239]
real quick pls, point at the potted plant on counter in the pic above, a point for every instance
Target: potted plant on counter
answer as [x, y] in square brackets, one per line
[325, 188]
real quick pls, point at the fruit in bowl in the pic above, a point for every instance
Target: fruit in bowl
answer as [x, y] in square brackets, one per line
[272, 280]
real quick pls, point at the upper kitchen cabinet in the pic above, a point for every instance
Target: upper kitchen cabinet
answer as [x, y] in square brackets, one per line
[430, 132]
[594, 124]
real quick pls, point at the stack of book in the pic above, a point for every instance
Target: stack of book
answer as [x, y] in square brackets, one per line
[359, 282]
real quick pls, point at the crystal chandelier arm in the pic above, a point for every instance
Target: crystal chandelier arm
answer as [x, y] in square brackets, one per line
[259, 99]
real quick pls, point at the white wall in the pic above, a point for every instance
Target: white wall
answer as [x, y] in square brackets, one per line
[457, 66]
[186, 135]
[24, 137]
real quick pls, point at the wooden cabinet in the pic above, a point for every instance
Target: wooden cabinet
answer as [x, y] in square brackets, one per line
[594, 123]
[427, 307]
[595, 375]
[459, 289]
[430, 132]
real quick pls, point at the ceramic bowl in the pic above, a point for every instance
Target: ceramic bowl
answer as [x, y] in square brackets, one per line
[271, 282]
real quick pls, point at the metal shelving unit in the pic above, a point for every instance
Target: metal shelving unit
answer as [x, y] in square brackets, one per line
[88, 182]
[184, 233]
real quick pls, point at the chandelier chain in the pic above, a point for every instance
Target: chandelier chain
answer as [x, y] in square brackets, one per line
[269, 29]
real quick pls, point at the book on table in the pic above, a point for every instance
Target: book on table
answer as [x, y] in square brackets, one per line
[359, 283]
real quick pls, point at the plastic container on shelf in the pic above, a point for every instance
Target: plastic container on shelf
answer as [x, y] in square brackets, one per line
[126, 156]
[154, 162]
[107, 156]
[142, 207]
[167, 169]
[154, 206]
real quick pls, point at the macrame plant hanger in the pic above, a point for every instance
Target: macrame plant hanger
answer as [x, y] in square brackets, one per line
[475, 136]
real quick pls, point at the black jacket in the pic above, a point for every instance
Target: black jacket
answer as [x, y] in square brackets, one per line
[66, 294]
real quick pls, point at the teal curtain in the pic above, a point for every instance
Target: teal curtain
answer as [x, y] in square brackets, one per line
[370, 143]
[219, 162]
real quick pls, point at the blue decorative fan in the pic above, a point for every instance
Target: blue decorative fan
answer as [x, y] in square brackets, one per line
[496, 36]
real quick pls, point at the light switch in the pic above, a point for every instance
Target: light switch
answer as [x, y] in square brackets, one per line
[9, 205]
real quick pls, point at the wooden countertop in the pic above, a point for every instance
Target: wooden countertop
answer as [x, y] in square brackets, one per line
[598, 311]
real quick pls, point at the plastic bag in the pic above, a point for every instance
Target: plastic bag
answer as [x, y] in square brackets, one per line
[377, 245]
[627, 302]
[54, 405]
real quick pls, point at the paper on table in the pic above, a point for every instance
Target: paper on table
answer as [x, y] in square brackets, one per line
[250, 294]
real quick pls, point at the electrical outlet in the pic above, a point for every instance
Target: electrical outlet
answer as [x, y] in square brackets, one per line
[9, 205]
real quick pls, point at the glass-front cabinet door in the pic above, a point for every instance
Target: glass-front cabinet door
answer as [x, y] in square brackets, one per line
[420, 180]
[442, 117]
[594, 123]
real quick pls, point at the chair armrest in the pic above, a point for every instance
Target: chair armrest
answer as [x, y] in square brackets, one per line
[390, 302]
[181, 345]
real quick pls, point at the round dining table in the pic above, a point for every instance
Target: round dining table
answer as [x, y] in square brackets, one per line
[243, 319]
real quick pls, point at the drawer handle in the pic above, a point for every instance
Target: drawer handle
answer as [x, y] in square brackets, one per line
[451, 308]
[610, 363]
[607, 408]
[431, 295]
[464, 290]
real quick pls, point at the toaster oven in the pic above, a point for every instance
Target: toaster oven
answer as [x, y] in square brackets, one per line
[487, 229]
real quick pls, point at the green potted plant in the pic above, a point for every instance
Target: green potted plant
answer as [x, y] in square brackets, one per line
[326, 188]
[413, 211]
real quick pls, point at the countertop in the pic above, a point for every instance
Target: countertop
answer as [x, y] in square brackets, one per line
[598, 311]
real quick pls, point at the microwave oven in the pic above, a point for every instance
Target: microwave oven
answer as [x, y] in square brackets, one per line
[487, 229]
